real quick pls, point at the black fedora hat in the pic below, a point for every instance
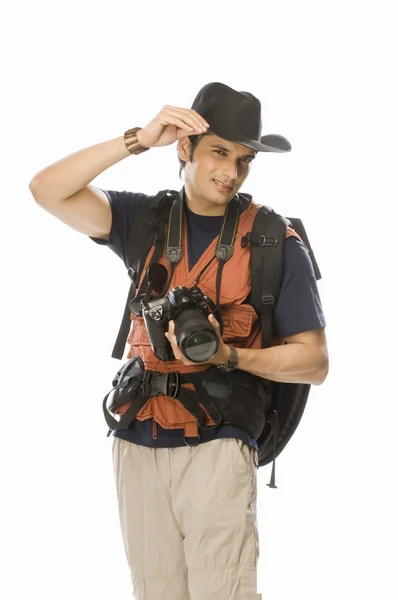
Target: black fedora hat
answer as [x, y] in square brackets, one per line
[236, 117]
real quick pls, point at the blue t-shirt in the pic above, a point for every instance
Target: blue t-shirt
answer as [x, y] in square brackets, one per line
[298, 307]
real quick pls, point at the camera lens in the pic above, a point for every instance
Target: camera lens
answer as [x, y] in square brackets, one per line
[201, 347]
[196, 337]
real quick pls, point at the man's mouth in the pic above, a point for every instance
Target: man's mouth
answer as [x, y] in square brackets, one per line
[221, 187]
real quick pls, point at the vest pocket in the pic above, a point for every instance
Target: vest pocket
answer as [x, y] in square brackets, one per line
[140, 344]
[238, 322]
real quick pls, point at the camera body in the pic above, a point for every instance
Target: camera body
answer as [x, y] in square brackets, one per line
[189, 309]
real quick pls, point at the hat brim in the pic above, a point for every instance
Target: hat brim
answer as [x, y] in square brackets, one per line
[272, 143]
[269, 143]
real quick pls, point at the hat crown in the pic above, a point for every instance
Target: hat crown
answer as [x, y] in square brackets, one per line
[231, 114]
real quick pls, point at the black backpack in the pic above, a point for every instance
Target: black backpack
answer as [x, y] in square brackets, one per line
[288, 400]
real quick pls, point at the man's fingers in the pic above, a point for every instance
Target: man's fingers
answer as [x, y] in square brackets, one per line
[190, 115]
[186, 119]
[214, 321]
[179, 123]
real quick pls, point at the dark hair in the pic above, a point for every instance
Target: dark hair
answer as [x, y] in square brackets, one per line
[194, 139]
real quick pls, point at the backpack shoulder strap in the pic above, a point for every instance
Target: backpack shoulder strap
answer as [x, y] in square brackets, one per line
[142, 236]
[145, 224]
[267, 240]
[266, 262]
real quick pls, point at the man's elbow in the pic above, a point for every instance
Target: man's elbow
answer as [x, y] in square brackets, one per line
[323, 369]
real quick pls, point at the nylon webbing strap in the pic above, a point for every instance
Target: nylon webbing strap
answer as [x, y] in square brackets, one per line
[202, 396]
[139, 233]
[124, 328]
[129, 415]
[142, 235]
[274, 424]
[189, 402]
[225, 248]
[225, 244]
[125, 324]
[174, 234]
[266, 259]
[158, 244]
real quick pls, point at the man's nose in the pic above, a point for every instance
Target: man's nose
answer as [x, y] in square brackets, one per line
[230, 171]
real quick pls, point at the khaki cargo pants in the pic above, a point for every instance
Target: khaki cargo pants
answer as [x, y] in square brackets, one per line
[188, 519]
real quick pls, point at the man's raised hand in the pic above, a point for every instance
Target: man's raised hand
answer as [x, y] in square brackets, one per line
[171, 124]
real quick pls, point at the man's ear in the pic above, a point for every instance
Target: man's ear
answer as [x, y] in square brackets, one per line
[184, 145]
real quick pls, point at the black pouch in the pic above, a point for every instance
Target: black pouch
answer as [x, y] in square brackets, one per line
[243, 399]
[126, 384]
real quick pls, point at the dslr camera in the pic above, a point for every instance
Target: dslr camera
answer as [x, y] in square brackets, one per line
[189, 308]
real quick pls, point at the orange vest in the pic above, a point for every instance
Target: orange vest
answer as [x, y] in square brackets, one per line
[242, 327]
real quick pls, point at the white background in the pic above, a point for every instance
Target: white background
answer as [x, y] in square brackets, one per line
[78, 73]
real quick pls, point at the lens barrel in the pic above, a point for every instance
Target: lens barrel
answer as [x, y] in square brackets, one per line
[196, 337]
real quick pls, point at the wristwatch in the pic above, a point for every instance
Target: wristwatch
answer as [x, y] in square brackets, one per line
[232, 361]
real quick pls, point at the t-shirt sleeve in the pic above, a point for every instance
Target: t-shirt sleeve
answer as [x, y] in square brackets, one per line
[125, 207]
[298, 307]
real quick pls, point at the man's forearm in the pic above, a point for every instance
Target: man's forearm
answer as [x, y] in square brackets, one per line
[74, 172]
[289, 363]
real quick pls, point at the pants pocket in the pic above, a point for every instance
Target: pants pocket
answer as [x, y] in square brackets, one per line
[245, 455]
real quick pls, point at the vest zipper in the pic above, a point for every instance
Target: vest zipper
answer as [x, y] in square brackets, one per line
[154, 430]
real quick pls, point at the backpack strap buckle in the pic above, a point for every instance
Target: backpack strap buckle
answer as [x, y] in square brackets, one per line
[131, 273]
[156, 384]
[173, 383]
[256, 239]
[268, 241]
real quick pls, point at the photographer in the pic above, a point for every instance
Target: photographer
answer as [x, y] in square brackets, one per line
[187, 489]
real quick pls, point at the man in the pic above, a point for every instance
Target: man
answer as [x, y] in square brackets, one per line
[187, 494]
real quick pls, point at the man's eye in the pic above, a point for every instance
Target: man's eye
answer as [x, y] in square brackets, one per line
[246, 160]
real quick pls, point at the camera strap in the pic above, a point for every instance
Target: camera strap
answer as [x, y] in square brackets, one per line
[174, 237]
[225, 247]
[225, 244]
[173, 245]
[148, 230]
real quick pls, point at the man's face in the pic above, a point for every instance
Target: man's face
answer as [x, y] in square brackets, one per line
[215, 162]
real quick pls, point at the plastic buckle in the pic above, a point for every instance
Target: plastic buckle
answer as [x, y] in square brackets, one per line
[268, 241]
[146, 384]
[166, 384]
[131, 274]
[173, 381]
[155, 383]
[135, 307]
[245, 241]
